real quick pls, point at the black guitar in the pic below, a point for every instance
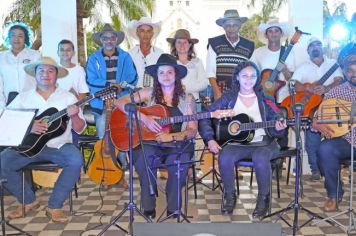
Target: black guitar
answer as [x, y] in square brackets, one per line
[57, 124]
[241, 128]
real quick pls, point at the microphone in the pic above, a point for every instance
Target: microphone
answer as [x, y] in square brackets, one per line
[125, 85]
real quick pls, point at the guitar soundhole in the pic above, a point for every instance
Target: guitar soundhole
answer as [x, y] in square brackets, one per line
[234, 128]
[268, 85]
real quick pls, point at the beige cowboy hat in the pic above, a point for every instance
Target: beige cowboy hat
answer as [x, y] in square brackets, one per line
[134, 24]
[182, 34]
[231, 14]
[108, 28]
[30, 69]
[261, 31]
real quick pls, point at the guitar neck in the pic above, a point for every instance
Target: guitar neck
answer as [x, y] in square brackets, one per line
[63, 112]
[185, 118]
[283, 58]
[257, 125]
[326, 76]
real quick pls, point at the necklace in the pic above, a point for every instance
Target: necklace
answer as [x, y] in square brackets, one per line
[250, 95]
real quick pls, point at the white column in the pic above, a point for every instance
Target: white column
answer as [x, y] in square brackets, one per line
[308, 16]
[58, 21]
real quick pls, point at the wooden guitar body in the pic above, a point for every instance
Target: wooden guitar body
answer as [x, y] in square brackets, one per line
[337, 112]
[269, 88]
[103, 168]
[310, 102]
[119, 127]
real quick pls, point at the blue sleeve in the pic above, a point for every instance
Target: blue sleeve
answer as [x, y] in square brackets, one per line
[94, 79]
[129, 73]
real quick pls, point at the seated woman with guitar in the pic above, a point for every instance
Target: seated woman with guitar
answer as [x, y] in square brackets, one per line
[336, 105]
[168, 91]
[245, 97]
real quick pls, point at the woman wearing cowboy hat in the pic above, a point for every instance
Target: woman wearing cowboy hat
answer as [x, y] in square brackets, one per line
[144, 54]
[182, 48]
[168, 91]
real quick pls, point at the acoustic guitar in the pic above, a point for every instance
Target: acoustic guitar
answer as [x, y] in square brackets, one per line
[270, 82]
[57, 124]
[241, 128]
[336, 114]
[119, 124]
[104, 168]
[310, 100]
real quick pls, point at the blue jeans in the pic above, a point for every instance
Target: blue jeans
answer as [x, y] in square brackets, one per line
[261, 157]
[100, 131]
[68, 157]
[331, 153]
[312, 142]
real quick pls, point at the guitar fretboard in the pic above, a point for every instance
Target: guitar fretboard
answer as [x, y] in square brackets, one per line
[257, 125]
[185, 118]
[327, 74]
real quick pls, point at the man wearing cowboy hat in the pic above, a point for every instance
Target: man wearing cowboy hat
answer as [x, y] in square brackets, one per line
[226, 51]
[107, 66]
[334, 151]
[310, 72]
[59, 150]
[273, 33]
[144, 54]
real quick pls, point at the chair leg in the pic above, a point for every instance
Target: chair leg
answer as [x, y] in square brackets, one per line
[76, 190]
[194, 181]
[185, 212]
[251, 177]
[277, 175]
[70, 200]
[237, 179]
[288, 171]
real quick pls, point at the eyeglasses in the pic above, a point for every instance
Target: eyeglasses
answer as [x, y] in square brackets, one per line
[107, 39]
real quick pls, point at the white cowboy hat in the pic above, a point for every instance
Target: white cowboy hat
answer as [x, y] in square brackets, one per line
[134, 24]
[108, 28]
[30, 69]
[312, 40]
[230, 14]
[261, 31]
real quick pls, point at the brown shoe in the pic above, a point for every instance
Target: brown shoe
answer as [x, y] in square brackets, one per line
[28, 207]
[330, 205]
[56, 215]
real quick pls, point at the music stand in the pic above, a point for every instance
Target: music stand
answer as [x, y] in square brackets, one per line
[295, 205]
[350, 211]
[130, 108]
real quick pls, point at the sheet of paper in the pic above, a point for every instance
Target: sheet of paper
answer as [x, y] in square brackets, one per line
[14, 125]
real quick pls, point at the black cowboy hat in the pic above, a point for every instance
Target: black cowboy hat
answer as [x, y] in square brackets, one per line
[167, 60]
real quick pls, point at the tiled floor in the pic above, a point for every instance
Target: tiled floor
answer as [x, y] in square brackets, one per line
[94, 207]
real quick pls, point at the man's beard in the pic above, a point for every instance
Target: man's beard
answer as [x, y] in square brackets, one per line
[315, 53]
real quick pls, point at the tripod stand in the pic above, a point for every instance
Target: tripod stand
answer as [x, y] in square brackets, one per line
[215, 176]
[350, 211]
[295, 205]
[3, 221]
[131, 206]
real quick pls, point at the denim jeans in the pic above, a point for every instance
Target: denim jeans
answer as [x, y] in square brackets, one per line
[331, 153]
[312, 142]
[68, 157]
[261, 157]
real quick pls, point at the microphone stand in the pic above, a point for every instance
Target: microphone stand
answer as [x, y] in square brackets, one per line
[295, 205]
[130, 108]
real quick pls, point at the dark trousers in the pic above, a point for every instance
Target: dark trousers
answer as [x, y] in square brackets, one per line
[166, 155]
[331, 153]
[261, 157]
